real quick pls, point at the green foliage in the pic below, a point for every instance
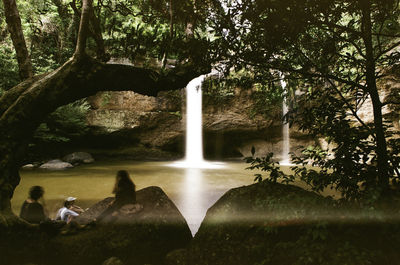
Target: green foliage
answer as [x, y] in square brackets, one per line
[177, 114]
[334, 52]
[9, 76]
[266, 164]
[350, 168]
[174, 98]
[268, 98]
[266, 95]
[140, 30]
[66, 123]
[105, 98]
[220, 90]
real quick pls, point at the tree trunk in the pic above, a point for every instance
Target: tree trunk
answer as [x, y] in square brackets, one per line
[381, 146]
[87, 7]
[74, 27]
[14, 26]
[97, 36]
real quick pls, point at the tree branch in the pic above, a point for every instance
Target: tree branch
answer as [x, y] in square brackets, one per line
[340, 27]
[78, 79]
[390, 102]
[391, 47]
[95, 31]
[351, 108]
[340, 94]
[386, 35]
[352, 42]
[11, 95]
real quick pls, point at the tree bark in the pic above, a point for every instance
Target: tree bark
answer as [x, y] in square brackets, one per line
[14, 26]
[74, 27]
[97, 36]
[87, 6]
[381, 145]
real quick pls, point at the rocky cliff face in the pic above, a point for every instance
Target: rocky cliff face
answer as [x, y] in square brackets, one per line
[154, 127]
[230, 127]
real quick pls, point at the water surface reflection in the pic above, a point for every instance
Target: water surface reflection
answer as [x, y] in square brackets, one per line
[193, 190]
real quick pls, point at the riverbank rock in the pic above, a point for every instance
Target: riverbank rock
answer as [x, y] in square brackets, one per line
[28, 166]
[56, 164]
[231, 125]
[142, 238]
[269, 223]
[78, 158]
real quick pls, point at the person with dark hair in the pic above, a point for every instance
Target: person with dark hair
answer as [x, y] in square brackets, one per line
[32, 210]
[125, 194]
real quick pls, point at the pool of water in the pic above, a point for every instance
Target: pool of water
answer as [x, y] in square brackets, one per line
[193, 190]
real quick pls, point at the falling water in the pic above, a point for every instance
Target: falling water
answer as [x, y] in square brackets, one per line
[285, 128]
[194, 128]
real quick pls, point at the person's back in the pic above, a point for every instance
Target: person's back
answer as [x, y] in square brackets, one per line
[32, 211]
[125, 193]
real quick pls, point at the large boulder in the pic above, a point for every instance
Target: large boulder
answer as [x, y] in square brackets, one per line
[56, 164]
[270, 223]
[141, 238]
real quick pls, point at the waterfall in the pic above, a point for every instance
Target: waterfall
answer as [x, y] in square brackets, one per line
[194, 129]
[285, 160]
[194, 122]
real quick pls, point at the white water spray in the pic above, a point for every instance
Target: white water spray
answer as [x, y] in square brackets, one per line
[194, 122]
[194, 128]
[285, 160]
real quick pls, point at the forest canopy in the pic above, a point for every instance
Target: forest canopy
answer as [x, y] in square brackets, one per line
[140, 31]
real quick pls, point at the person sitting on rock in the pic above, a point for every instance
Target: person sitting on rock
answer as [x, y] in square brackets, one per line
[125, 196]
[69, 211]
[32, 210]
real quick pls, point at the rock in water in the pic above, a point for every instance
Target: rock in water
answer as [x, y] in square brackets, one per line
[28, 166]
[79, 158]
[56, 164]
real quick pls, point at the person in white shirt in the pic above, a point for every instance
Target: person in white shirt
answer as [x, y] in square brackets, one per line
[69, 211]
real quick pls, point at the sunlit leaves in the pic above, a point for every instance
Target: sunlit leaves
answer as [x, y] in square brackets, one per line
[271, 168]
